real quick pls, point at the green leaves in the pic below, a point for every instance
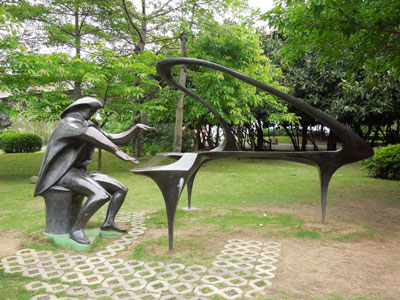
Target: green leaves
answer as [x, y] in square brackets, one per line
[238, 48]
[363, 33]
[385, 163]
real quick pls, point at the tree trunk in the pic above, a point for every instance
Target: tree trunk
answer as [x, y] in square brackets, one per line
[77, 35]
[304, 137]
[332, 140]
[99, 161]
[292, 138]
[134, 139]
[210, 140]
[177, 147]
[199, 143]
[218, 137]
[260, 135]
[140, 145]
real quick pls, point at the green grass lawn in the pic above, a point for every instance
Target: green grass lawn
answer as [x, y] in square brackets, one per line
[229, 184]
[235, 197]
[284, 139]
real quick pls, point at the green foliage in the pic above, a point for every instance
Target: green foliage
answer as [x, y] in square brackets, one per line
[363, 33]
[42, 129]
[367, 101]
[39, 83]
[8, 44]
[57, 24]
[370, 104]
[8, 29]
[385, 163]
[238, 48]
[162, 139]
[15, 142]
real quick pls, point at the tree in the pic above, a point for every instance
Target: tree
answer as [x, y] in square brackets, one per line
[167, 26]
[67, 25]
[315, 85]
[362, 33]
[367, 102]
[238, 48]
[7, 43]
[370, 105]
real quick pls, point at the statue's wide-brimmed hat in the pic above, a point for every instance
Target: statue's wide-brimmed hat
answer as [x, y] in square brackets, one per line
[93, 102]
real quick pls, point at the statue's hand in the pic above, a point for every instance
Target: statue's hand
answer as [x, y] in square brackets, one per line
[145, 127]
[122, 155]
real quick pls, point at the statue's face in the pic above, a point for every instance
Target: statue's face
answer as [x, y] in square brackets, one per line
[87, 111]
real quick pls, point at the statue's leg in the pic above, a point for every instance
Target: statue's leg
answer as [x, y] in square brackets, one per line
[97, 196]
[118, 192]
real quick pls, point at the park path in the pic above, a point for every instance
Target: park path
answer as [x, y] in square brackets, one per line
[243, 269]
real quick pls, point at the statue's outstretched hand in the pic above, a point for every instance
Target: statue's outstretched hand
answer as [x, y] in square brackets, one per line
[122, 155]
[145, 127]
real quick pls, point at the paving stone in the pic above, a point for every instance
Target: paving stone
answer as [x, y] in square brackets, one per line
[106, 253]
[259, 284]
[129, 295]
[46, 274]
[167, 275]
[231, 293]
[173, 297]
[190, 277]
[14, 269]
[148, 296]
[181, 288]
[114, 282]
[80, 277]
[213, 279]
[51, 297]
[236, 281]
[133, 279]
[50, 288]
[125, 295]
[206, 290]
[45, 297]
[115, 247]
[145, 273]
[125, 271]
[88, 292]
[158, 286]
[197, 269]
[136, 284]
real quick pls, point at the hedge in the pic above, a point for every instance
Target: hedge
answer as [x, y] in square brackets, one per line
[385, 163]
[18, 142]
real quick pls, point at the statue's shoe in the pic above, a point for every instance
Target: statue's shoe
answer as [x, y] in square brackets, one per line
[79, 237]
[112, 227]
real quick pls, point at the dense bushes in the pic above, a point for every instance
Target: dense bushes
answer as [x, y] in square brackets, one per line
[385, 163]
[16, 142]
[162, 139]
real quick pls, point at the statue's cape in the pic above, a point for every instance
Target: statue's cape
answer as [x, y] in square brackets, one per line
[61, 153]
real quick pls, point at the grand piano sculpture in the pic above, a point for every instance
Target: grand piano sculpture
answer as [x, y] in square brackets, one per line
[172, 178]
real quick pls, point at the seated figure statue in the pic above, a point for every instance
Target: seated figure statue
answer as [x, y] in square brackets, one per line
[69, 150]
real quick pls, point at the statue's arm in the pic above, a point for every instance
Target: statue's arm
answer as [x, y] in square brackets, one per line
[94, 136]
[123, 138]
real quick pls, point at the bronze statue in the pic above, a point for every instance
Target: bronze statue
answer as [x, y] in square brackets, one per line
[172, 178]
[69, 150]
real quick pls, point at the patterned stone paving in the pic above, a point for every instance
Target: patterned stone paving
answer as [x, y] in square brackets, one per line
[243, 269]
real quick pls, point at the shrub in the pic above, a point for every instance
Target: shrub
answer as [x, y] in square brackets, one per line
[162, 139]
[385, 163]
[15, 142]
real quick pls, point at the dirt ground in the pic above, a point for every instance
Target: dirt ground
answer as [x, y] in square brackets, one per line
[10, 243]
[365, 266]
